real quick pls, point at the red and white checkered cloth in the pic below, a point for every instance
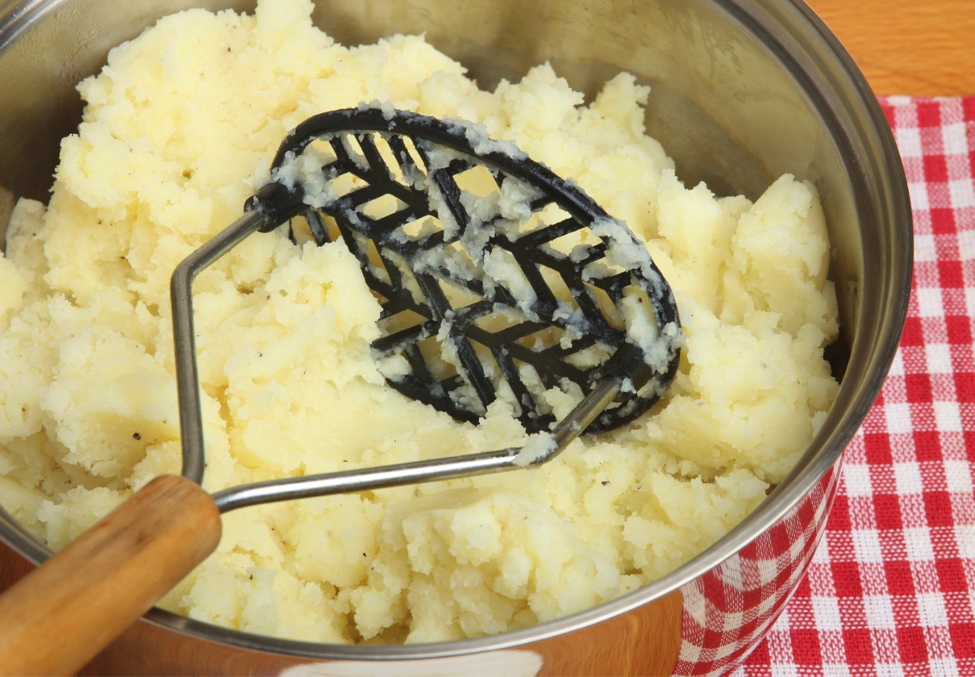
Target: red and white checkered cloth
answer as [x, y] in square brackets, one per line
[891, 589]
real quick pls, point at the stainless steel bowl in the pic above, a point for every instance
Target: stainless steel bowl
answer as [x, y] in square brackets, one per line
[744, 90]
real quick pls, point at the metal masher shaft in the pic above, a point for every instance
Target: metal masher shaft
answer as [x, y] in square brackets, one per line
[367, 479]
[181, 295]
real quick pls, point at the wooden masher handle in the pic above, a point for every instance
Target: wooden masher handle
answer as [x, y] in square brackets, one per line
[60, 616]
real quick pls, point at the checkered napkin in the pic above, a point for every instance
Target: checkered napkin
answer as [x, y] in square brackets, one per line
[891, 588]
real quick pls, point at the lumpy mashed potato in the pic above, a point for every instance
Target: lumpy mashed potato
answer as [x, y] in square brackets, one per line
[178, 131]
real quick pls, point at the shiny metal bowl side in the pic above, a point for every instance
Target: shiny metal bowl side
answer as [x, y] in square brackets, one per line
[743, 91]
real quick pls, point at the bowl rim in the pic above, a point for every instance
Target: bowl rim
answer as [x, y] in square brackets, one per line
[761, 19]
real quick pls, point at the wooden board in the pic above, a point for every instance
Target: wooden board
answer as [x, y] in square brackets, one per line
[916, 47]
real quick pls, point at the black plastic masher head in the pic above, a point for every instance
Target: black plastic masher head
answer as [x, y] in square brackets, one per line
[496, 278]
[480, 272]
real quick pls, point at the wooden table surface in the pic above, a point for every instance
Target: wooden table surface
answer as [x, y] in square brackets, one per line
[917, 47]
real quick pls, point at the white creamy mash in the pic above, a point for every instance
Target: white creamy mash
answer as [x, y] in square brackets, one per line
[179, 129]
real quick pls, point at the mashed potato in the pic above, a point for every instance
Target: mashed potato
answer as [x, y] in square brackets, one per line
[178, 131]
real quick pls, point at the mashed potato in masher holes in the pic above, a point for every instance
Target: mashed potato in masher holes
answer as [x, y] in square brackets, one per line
[178, 131]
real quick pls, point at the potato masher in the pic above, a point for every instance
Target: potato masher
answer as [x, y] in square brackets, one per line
[505, 291]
